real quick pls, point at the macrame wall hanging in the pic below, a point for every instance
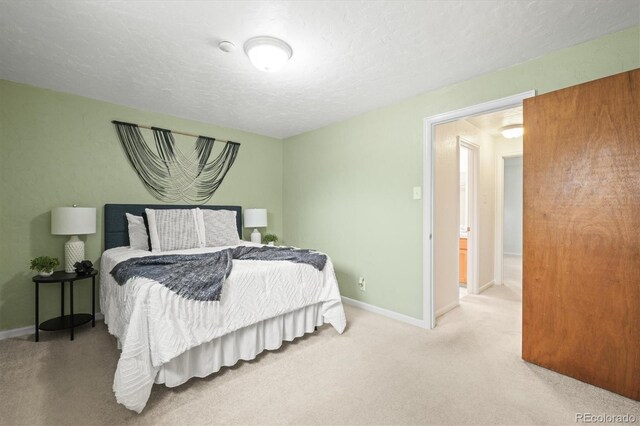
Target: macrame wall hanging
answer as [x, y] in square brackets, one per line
[171, 175]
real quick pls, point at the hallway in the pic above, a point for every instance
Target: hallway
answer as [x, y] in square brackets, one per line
[512, 273]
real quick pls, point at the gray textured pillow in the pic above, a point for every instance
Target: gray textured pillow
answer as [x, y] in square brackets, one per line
[219, 227]
[138, 237]
[172, 229]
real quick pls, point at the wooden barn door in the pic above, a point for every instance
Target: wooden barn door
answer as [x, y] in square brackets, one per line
[581, 260]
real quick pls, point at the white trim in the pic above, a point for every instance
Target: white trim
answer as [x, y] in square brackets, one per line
[25, 331]
[512, 254]
[440, 312]
[486, 286]
[428, 201]
[457, 230]
[498, 271]
[428, 185]
[384, 312]
[17, 332]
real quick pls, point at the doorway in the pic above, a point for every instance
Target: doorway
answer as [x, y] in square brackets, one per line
[467, 217]
[509, 202]
[439, 239]
[512, 213]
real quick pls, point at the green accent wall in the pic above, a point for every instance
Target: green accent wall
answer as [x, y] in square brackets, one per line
[58, 149]
[348, 186]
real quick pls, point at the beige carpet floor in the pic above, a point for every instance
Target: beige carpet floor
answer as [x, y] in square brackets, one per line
[512, 272]
[380, 371]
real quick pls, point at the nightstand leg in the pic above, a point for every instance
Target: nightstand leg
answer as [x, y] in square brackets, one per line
[37, 312]
[71, 306]
[93, 300]
[61, 298]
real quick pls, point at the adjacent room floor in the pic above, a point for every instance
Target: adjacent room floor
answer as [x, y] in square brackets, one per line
[463, 291]
[512, 272]
[380, 371]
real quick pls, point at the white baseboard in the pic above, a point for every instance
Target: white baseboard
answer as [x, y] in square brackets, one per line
[447, 308]
[487, 285]
[25, 331]
[513, 254]
[17, 332]
[384, 312]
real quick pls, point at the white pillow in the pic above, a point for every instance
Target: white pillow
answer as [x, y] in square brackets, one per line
[138, 236]
[218, 227]
[173, 229]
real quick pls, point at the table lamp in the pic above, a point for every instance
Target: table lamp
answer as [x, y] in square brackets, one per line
[73, 221]
[255, 218]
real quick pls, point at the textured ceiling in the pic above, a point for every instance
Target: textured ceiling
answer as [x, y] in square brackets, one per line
[349, 57]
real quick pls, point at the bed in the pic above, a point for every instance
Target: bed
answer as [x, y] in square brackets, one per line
[167, 339]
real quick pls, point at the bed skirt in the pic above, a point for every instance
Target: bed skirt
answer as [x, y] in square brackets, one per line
[244, 344]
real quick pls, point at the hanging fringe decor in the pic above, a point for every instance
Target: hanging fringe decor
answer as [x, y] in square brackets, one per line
[171, 175]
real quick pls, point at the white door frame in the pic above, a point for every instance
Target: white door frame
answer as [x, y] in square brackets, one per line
[499, 225]
[473, 261]
[428, 202]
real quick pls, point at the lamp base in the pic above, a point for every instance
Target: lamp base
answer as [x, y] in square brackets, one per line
[73, 252]
[256, 237]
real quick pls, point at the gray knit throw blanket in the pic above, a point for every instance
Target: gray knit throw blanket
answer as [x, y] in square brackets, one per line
[201, 276]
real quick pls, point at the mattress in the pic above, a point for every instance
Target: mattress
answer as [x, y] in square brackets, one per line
[156, 326]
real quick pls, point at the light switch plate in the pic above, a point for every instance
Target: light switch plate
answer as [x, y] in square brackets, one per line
[417, 192]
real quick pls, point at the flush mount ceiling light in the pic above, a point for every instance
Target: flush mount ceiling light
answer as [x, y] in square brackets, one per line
[512, 131]
[267, 53]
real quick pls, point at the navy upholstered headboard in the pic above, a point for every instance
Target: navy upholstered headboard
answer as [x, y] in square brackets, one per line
[116, 230]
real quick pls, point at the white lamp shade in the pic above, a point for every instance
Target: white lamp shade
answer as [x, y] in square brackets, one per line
[255, 218]
[73, 220]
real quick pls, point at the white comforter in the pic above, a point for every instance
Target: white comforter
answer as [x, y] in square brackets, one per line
[155, 325]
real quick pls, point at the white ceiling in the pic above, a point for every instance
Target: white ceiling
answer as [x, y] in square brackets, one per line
[492, 122]
[349, 56]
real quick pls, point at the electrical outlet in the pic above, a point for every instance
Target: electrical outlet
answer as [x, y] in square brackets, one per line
[362, 284]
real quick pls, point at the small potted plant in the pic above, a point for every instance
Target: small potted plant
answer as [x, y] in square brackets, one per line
[270, 239]
[44, 265]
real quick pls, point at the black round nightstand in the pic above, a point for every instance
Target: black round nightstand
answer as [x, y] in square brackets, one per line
[65, 321]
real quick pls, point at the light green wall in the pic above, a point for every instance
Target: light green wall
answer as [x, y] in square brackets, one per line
[58, 149]
[348, 186]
